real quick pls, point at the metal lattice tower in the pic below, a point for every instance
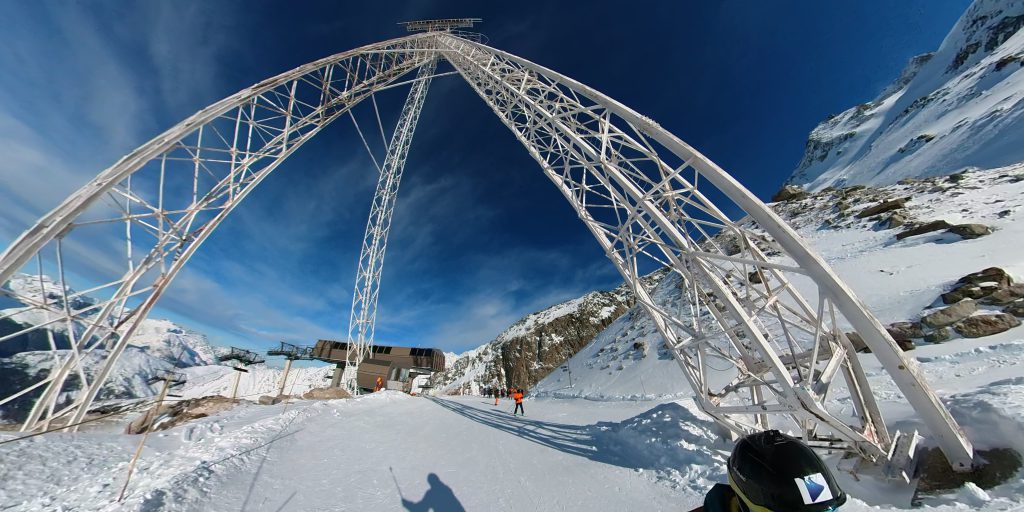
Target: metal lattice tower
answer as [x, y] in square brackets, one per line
[756, 352]
[363, 318]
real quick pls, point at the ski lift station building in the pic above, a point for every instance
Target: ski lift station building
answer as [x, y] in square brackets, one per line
[401, 368]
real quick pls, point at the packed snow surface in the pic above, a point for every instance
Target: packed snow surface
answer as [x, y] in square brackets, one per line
[374, 452]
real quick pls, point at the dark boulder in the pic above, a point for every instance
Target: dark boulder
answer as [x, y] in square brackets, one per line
[789, 193]
[950, 315]
[858, 342]
[906, 345]
[937, 225]
[969, 231]
[986, 325]
[969, 291]
[905, 330]
[1005, 295]
[883, 207]
[938, 335]
[989, 275]
[1015, 309]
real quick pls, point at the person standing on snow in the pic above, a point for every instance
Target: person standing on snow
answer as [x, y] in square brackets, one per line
[496, 396]
[772, 472]
[518, 396]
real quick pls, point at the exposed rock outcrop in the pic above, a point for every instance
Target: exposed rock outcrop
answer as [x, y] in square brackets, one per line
[789, 193]
[1005, 295]
[986, 325]
[1015, 309]
[988, 275]
[938, 335]
[539, 343]
[928, 227]
[905, 330]
[969, 231]
[883, 207]
[950, 315]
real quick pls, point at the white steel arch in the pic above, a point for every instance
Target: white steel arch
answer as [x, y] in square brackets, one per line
[647, 197]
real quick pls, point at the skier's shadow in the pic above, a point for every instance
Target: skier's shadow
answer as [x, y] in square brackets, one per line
[438, 498]
[581, 440]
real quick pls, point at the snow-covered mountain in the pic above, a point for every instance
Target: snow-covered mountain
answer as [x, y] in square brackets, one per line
[535, 345]
[959, 107]
[156, 345]
[159, 338]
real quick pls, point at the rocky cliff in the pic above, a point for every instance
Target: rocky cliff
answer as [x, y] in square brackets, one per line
[534, 346]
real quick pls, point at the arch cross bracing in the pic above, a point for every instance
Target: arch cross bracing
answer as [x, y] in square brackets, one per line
[755, 321]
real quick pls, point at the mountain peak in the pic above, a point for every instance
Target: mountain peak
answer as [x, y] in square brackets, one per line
[959, 107]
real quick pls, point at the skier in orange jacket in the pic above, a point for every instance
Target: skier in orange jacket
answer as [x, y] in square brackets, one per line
[518, 396]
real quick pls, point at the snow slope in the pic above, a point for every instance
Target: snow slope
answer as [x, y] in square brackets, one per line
[374, 452]
[959, 107]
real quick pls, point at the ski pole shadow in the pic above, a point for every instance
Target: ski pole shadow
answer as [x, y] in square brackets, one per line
[438, 498]
[580, 440]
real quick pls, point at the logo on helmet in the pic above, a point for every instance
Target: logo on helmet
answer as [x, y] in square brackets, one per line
[813, 489]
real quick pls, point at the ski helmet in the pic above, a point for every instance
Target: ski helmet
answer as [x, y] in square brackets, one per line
[773, 472]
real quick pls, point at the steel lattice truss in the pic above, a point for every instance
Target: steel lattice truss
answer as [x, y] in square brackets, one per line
[363, 318]
[756, 352]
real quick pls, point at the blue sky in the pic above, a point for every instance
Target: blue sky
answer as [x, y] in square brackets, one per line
[480, 237]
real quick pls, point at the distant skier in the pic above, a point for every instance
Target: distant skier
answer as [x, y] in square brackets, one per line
[496, 396]
[518, 396]
[770, 471]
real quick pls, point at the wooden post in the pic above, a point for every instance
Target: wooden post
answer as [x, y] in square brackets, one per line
[284, 378]
[234, 387]
[150, 416]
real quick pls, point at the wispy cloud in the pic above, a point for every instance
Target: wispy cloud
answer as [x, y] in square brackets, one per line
[282, 265]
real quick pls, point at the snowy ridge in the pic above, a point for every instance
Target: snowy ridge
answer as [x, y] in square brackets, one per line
[507, 361]
[961, 107]
[532, 321]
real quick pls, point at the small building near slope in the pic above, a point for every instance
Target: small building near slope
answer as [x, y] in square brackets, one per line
[401, 368]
